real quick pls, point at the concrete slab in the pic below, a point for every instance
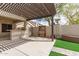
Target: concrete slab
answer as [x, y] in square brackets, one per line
[36, 48]
[30, 49]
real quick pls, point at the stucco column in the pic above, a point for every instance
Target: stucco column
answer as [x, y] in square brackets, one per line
[27, 30]
[25, 24]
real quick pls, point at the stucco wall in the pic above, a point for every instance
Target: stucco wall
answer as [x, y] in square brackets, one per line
[68, 30]
[16, 34]
[5, 22]
[57, 29]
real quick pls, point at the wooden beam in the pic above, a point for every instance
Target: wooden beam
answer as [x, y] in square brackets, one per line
[31, 10]
[1, 6]
[38, 17]
[46, 8]
[38, 8]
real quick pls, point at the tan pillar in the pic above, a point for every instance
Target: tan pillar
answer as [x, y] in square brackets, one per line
[27, 31]
[25, 24]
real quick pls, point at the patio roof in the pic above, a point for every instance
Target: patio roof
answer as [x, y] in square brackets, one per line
[29, 10]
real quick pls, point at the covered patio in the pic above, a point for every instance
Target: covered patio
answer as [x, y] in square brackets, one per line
[21, 12]
[12, 37]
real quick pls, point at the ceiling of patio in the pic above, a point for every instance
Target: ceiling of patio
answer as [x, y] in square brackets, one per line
[29, 10]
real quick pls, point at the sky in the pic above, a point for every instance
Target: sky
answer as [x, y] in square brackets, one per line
[41, 21]
[63, 21]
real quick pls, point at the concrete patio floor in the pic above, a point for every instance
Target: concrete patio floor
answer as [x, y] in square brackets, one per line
[30, 49]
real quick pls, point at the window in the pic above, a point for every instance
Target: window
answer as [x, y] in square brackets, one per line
[6, 27]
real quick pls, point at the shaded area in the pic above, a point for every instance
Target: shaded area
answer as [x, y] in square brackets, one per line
[8, 44]
[67, 45]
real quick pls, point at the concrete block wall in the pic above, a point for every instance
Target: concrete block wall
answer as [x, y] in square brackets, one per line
[48, 31]
[68, 30]
[35, 31]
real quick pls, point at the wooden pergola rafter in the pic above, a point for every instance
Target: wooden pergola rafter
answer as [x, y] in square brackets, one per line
[29, 10]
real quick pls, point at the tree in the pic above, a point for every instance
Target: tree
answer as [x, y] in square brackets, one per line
[70, 11]
[49, 20]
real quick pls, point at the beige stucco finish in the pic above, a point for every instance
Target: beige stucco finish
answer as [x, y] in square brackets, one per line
[68, 30]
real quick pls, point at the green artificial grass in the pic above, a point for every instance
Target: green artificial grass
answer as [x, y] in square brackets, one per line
[55, 54]
[67, 45]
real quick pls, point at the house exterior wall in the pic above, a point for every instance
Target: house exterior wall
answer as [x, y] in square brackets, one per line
[16, 34]
[5, 22]
[6, 35]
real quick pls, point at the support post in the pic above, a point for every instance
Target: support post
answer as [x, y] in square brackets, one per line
[25, 23]
[52, 35]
